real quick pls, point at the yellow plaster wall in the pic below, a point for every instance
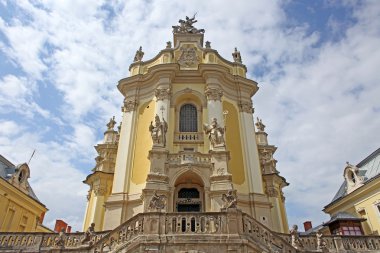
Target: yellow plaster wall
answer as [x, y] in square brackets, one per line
[234, 145]
[372, 225]
[143, 143]
[18, 212]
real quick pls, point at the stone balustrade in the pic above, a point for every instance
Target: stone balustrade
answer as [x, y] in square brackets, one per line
[185, 157]
[38, 242]
[188, 137]
[163, 232]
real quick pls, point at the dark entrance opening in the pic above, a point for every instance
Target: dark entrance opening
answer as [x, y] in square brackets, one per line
[188, 200]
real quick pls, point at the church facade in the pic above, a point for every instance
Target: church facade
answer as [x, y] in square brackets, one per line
[187, 136]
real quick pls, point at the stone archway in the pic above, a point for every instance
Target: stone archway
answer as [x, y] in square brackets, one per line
[189, 193]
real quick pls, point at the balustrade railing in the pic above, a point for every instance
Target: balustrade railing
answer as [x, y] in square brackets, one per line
[258, 232]
[181, 225]
[192, 137]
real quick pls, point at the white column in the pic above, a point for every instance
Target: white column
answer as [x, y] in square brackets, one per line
[122, 170]
[214, 104]
[250, 147]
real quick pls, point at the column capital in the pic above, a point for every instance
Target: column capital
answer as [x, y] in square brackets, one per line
[162, 93]
[214, 94]
[129, 105]
[247, 107]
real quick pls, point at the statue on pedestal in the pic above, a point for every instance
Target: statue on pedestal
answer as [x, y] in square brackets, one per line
[215, 133]
[158, 131]
[89, 234]
[296, 241]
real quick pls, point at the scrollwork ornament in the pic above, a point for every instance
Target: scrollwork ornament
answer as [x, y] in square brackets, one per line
[130, 105]
[214, 94]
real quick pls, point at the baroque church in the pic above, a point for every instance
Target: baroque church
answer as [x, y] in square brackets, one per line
[186, 170]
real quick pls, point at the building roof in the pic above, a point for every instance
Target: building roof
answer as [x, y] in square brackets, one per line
[343, 216]
[8, 169]
[369, 168]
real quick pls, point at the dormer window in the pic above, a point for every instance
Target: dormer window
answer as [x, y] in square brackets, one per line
[353, 180]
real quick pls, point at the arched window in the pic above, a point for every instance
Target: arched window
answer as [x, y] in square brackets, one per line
[188, 121]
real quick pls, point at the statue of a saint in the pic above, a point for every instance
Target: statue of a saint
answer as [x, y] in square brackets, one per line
[236, 55]
[229, 199]
[139, 55]
[89, 234]
[186, 26]
[296, 241]
[215, 133]
[158, 131]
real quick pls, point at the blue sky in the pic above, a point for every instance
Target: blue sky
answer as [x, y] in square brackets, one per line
[316, 63]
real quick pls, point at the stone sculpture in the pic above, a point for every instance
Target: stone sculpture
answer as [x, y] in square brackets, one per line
[236, 55]
[215, 133]
[157, 202]
[89, 234]
[158, 131]
[139, 55]
[186, 26]
[295, 239]
[259, 125]
[229, 199]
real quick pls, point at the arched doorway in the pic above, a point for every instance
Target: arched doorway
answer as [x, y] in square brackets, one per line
[189, 193]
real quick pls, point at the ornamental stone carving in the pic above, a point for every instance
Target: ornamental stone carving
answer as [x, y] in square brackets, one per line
[157, 202]
[162, 94]
[271, 191]
[158, 131]
[188, 57]
[186, 26]
[111, 124]
[246, 107]
[215, 133]
[129, 105]
[214, 94]
[100, 190]
[229, 199]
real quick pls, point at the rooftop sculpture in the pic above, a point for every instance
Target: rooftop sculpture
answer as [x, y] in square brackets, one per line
[186, 26]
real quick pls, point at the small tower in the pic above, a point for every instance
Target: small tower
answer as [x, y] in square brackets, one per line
[273, 182]
[101, 178]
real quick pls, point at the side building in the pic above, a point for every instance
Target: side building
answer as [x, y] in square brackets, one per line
[20, 209]
[355, 208]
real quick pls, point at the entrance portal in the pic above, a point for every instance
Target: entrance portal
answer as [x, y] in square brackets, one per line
[188, 195]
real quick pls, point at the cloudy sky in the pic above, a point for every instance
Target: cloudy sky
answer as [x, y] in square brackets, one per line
[317, 64]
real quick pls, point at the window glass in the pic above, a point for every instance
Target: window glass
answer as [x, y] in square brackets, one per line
[188, 118]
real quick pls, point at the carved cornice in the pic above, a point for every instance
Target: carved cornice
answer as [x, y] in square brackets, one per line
[162, 94]
[129, 105]
[214, 94]
[246, 107]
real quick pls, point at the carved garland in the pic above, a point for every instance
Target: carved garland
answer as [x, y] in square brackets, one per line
[100, 190]
[214, 94]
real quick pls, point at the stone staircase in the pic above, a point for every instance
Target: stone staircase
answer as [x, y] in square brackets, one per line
[212, 232]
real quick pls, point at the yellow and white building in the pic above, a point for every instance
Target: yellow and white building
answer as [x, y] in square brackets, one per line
[187, 134]
[20, 209]
[355, 208]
